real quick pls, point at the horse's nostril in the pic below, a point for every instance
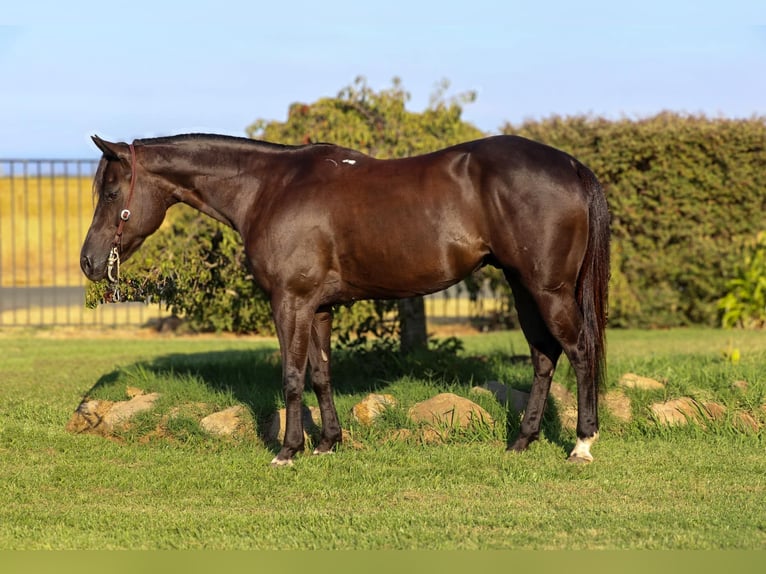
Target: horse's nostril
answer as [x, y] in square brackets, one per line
[86, 264]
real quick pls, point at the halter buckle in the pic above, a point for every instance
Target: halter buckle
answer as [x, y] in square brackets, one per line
[125, 214]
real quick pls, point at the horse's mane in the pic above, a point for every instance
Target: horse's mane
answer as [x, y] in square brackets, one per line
[217, 138]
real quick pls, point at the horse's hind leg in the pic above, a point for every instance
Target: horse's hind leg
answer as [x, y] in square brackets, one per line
[560, 313]
[545, 351]
[319, 359]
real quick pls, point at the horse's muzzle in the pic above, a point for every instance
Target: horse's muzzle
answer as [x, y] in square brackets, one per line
[91, 270]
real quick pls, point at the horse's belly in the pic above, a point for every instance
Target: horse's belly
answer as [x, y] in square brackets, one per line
[386, 270]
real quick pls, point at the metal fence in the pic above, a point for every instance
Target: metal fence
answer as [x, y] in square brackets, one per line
[45, 210]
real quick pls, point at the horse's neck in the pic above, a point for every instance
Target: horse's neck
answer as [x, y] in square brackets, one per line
[201, 203]
[213, 190]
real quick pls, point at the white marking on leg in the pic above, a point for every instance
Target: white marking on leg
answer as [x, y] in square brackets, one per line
[581, 450]
[324, 355]
[276, 461]
[317, 451]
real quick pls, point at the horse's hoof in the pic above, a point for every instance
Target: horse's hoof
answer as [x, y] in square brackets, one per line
[321, 452]
[581, 452]
[519, 446]
[278, 462]
[576, 459]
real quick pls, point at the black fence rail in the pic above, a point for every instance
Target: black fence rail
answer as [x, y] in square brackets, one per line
[45, 211]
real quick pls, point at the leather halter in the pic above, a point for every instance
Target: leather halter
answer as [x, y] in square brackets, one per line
[125, 213]
[113, 262]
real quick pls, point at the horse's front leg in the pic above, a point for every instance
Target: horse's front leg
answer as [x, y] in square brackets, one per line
[319, 360]
[293, 323]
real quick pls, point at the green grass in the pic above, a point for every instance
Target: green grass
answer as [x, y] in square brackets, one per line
[650, 487]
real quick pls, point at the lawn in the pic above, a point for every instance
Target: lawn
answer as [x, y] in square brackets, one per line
[650, 487]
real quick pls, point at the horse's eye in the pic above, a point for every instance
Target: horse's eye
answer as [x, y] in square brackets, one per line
[111, 193]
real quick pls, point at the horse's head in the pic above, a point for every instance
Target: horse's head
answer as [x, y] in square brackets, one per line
[130, 207]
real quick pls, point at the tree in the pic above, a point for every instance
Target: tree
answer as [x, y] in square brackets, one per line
[378, 124]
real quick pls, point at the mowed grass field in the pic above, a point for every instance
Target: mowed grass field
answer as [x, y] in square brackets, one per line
[650, 487]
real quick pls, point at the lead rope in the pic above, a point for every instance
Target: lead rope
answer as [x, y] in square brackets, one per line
[113, 262]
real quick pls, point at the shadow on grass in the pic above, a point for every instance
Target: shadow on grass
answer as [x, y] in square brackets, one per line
[253, 377]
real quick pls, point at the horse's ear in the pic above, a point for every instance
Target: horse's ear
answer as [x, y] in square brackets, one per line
[110, 150]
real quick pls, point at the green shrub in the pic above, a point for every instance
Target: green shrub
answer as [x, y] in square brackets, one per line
[744, 304]
[195, 267]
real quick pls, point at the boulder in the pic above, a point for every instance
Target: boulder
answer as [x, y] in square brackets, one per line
[744, 422]
[676, 411]
[275, 430]
[228, 422]
[618, 404]
[714, 411]
[739, 386]
[105, 417]
[566, 405]
[505, 395]
[451, 410]
[371, 407]
[634, 381]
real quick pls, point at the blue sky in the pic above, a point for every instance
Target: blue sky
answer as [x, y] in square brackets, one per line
[143, 68]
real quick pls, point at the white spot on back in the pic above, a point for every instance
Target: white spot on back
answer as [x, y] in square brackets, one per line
[349, 161]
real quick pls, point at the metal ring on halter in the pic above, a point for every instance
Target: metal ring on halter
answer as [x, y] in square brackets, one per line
[125, 214]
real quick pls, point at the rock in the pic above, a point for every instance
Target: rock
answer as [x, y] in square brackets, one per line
[449, 409]
[739, 386]
[634, 381]
[398, 435]
[275, 431]
[105, 417]
[566, 405]
[504, 394]
[482, 391]
[714, 411]
[495, 389]
[348, 440]
[88, 417]
[228, 422]
[676, 411]
[745, 423]
[618, 404]
[124, 410]
[517, 400]
[562, 395]
[372, 407]
[131, 392]
[430, 436]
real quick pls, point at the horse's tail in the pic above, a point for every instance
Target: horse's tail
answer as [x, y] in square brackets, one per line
[593, 281]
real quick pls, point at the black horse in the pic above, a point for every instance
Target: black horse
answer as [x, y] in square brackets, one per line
[323, 225]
